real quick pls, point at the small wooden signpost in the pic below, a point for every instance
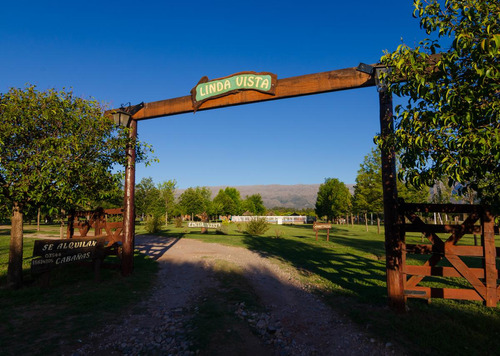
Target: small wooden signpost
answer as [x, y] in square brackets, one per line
[204, 225]
[322, 226]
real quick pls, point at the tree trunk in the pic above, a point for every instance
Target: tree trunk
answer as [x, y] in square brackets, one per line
[378, 224]
[366, 221]
[38, 220]
[61, 227]
[15, 269]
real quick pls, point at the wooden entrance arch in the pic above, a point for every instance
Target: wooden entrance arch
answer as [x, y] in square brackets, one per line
[336, 80]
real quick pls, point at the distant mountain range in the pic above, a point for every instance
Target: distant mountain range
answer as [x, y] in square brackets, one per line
[298, 196]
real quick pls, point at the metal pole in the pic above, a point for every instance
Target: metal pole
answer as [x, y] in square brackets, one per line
[129, 207]
[393, 238]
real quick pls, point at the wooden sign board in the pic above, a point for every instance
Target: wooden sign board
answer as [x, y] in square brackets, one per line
[54, 253]
[263, 82]
[322, 226]
[205, 225]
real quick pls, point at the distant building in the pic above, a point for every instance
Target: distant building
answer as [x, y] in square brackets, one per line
[279, 220]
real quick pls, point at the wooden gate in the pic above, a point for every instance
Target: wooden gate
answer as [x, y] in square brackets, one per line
[446, 256]
[106, 223]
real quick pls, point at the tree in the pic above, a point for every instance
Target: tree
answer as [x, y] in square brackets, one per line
[333, 200]
[228, 201]
[254, 204]
[57, 149]
[147, 198]
[234, 194]
[167, 196]
[450, 124]
[195, 201]
[224, 204]
[368, 195]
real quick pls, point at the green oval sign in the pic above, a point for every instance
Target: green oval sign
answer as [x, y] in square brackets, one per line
[205, 89]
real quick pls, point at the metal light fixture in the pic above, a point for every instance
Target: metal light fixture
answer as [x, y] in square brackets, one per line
[121, 117]
[381, 84]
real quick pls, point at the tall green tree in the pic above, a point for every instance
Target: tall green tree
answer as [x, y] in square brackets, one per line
[450, 124]
[56, 149]
[147, 198]
[195, 201]
[368, 195]
[167, 196]
[333, 200]
[254, 204]
[224, 204]
[235, 195]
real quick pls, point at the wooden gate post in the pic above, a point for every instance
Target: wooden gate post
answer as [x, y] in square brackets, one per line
[129, 209]
[489, 250]
[393, 239]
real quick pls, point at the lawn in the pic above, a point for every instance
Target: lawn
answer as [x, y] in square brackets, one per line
[348, 272]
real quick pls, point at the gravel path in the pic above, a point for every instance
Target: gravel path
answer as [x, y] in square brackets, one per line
[295, 322]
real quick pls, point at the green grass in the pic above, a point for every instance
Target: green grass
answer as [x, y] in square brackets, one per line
[35, 320]
[349, 273]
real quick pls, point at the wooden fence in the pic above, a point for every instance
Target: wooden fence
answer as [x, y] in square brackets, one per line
[446, 256]
[105, 223]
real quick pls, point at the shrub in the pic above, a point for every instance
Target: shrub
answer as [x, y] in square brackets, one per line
[224, 229]
[240, 227]
[178, 222]
[154, 223]
[257, 226]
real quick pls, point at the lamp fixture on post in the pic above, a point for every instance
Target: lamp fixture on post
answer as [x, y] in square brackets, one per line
[380, 82]
[121, 117]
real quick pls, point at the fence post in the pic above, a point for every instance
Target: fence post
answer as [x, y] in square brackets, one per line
[489, 250]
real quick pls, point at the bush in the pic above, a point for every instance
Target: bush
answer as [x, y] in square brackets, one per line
[257, 226]
[240, 227]
[178, 222]
[224, 228]
[154, 223]
[278, 233]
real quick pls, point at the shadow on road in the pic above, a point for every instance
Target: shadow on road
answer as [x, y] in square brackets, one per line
[154, 246]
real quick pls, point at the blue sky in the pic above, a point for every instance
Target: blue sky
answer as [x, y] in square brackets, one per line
[130, 51]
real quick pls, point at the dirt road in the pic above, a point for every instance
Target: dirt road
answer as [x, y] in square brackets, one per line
[295, 323]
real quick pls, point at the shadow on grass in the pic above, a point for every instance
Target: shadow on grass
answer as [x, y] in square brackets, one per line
[349, 272]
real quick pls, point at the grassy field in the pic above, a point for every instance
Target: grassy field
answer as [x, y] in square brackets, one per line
[348, 272]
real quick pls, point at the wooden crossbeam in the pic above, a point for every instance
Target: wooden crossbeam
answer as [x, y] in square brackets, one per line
[442, 229]
[439, 271]
[342, 79]
[448, 249]
[443, 208]
[445, 293]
